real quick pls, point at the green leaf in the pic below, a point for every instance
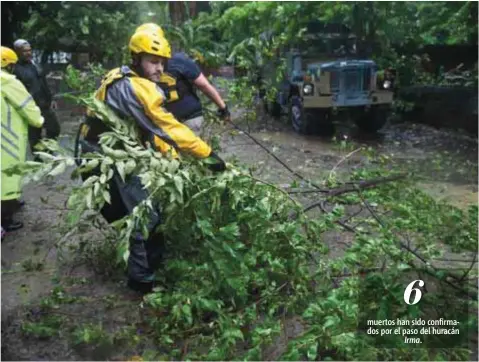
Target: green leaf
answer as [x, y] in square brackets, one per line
[84, 29]
[59, 169]
[130, 166]
[90, 181]
[90, 165]
[106, 196]
[210, 161]
[89, 198]
[179, 184]
[120, 166]
[312, 352]
[96, 189]
[230, 231]
[233, 333]
[186, 309]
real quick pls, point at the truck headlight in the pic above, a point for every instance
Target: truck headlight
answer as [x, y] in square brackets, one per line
[308, 89]
[387, 84]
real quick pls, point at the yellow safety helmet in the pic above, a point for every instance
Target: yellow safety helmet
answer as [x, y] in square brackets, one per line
[151, 43]
[8, 57]
[151, 27]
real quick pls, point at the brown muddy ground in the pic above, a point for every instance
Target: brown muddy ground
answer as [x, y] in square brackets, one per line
[445, 163]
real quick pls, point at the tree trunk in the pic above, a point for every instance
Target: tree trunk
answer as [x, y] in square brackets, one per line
[358, 28]
[193, 9]
[181, 11]
[175, 12]
[473, 22]
[371, 34]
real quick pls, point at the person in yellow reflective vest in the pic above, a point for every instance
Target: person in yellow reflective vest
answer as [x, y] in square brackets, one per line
[131, 91]
[18, 112]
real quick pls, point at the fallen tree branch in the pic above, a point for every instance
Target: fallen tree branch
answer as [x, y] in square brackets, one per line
[343, 159]
[456, 260]
[363, 184]
[274, 187]
[470, 268]
[346, 219]
[339, 222]
[308, 191]
[417, 255]
[349, 186]
[354, 187]
[275, 157]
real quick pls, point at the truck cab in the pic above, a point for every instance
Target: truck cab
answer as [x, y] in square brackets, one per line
[325, 77]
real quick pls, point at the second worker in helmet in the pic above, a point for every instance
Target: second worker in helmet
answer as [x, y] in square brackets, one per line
[179, 82]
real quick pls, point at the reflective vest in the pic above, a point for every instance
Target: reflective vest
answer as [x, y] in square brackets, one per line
[18, 112]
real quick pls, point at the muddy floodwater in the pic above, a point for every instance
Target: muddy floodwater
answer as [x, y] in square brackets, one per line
[443, 162]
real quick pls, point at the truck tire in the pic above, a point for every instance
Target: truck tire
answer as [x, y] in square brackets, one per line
[309, 121]
[300, 120]
[371, 120]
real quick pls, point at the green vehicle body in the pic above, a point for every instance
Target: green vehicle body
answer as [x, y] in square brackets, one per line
[324, 79]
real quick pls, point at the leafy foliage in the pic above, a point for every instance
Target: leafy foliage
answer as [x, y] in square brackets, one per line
[101, 29]
[243, 257]
[195, 38]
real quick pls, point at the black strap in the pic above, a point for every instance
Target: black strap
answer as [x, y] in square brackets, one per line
[76, 150]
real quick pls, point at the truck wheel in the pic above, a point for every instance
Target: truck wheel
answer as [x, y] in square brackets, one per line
[300, 120]
[309, 121]
[371, 120]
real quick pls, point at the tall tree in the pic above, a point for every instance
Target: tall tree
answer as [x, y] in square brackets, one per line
[181, 11]
[98, 28]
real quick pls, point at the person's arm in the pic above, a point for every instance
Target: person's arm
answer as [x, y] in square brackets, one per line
[18, 96]
[207, 88]
[142, 100]
[173, 132]
[192, 72]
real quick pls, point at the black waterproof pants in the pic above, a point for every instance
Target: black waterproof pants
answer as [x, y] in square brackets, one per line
[145, 254]
[9, 208]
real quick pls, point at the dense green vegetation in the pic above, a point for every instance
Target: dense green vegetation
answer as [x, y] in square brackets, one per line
[245, 256]
[384, 29]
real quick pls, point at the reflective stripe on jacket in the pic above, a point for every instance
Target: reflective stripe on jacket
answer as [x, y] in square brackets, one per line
[133, 96]
[18, 112]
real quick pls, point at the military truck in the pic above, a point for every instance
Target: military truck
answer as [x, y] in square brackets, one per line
[324, 79]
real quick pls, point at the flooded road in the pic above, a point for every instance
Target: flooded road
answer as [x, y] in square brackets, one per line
[443, 162]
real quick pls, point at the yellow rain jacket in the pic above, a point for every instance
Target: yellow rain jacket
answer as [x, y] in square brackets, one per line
[133, 96]
[18, 112]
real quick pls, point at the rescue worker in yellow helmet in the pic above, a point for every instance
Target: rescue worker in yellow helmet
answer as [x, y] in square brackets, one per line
[132, 92]
[179, 82]
[18, 112]
[151, 27]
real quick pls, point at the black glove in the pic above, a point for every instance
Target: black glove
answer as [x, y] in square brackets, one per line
[224, 113]
[215, 163]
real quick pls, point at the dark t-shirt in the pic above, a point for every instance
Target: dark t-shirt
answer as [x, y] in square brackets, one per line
[177, 83]
[34, 80]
